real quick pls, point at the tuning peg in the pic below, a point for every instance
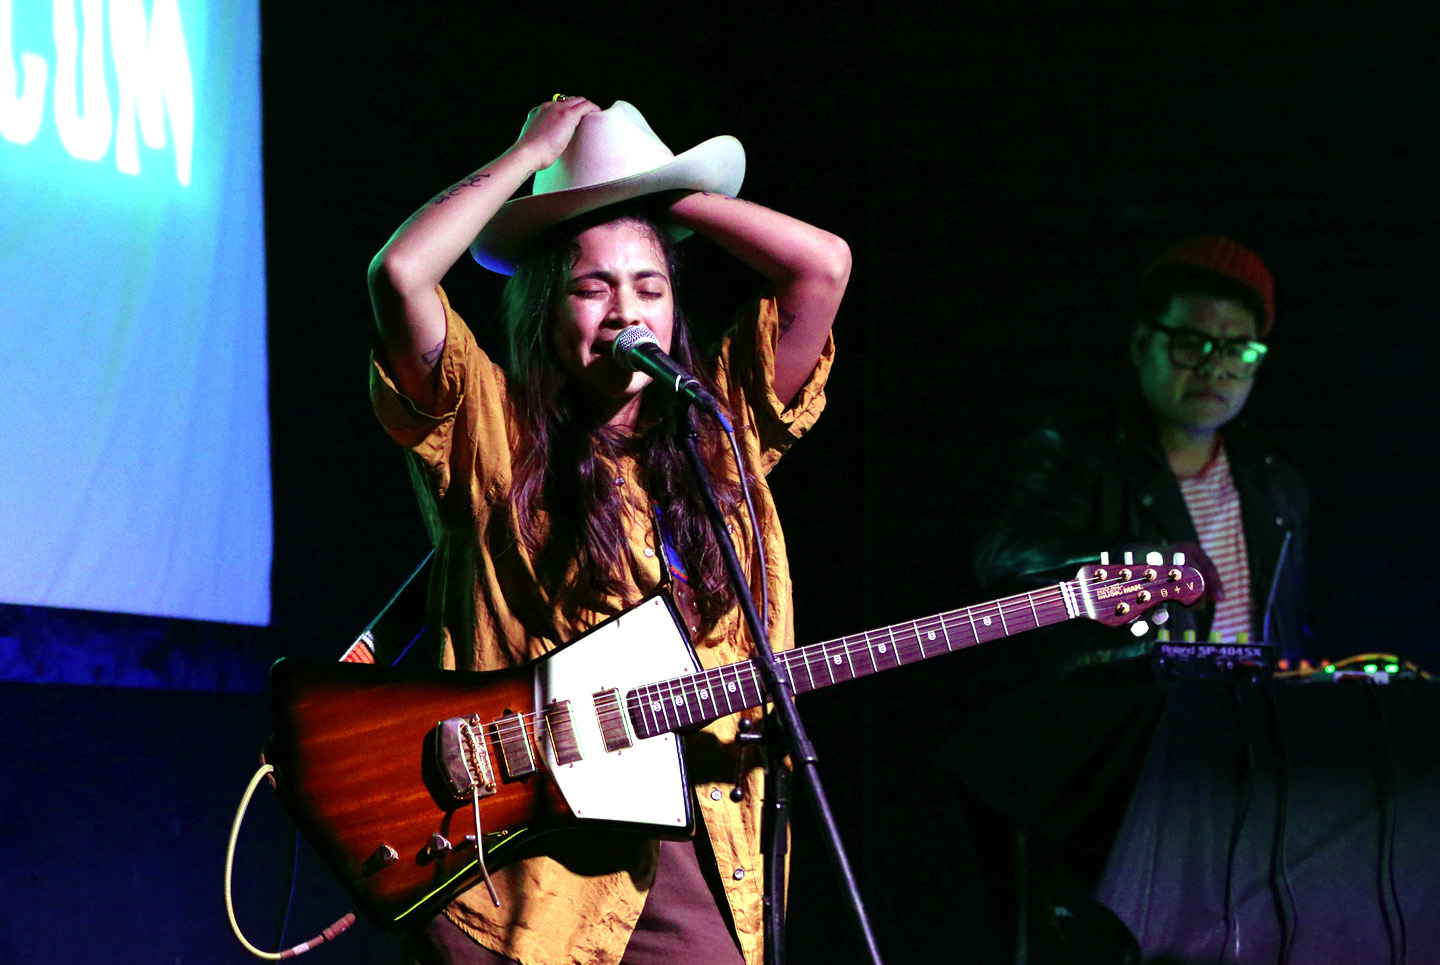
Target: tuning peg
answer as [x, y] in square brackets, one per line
[1179, 559]
[1155, 559]
[1129, 559]
[1105, 559]
[1139, 628]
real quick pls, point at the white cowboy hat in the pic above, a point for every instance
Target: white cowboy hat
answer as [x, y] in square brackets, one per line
[613, 156]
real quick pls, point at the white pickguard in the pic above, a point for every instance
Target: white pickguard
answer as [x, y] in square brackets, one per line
[643, 784]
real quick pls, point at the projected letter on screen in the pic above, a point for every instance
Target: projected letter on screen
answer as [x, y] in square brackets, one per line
[152, 77]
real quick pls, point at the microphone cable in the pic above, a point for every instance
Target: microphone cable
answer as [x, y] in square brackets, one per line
[756, 536]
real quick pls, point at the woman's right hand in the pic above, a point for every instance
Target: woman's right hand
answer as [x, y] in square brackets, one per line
[404, 274]
[549, 127]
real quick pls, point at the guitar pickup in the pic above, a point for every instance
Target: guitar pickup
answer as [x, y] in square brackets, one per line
[560, 729]
[612, 721]
[513, 738]
[462, 758]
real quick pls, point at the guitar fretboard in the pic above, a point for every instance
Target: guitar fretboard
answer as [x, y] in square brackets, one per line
[697, 699]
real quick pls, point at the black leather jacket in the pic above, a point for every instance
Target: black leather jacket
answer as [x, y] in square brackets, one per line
[1103, 483]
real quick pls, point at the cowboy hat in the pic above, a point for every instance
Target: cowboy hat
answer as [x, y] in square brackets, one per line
[613, 156]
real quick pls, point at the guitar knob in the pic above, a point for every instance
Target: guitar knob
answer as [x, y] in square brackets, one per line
[439, 844]
[383, 857]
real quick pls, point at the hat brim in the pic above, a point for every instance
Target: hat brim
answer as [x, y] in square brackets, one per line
[716, 165]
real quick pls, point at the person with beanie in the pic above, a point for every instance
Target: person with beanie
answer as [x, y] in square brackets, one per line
[1178, 467]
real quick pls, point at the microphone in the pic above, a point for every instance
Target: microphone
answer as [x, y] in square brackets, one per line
[637, 349]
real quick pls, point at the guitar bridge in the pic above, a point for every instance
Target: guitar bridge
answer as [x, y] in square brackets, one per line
[462, 758]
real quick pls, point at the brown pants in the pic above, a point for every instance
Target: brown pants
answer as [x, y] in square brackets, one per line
[682, 922]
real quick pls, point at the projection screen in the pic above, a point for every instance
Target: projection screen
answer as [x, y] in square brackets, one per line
[134, 447]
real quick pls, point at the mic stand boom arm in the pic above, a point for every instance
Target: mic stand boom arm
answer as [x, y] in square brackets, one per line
[791, 736]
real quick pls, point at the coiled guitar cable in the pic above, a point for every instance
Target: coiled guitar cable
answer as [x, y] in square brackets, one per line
[339, 926]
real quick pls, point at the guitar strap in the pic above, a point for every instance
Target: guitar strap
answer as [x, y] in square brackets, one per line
[674, 576]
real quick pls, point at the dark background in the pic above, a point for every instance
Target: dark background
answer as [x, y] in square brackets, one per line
[1002, 173]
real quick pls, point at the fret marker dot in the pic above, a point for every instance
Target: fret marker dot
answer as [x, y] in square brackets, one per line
[704, 695]
[837, 660]
[730, 687]
[882, 648]
[655, 706]
[932, 635]
[986, 621]
[678, 700]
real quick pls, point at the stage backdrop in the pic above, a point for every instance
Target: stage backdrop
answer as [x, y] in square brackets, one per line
[135, 475]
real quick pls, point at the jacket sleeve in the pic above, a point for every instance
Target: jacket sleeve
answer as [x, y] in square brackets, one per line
[1049, 524]
[1058, 517]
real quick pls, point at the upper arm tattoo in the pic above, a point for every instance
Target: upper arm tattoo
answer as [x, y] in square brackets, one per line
[433, 356]
[787, 321]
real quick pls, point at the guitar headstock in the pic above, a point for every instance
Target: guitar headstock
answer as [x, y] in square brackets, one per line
[1117, 594]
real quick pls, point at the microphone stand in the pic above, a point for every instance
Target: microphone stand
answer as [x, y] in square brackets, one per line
[789, 738]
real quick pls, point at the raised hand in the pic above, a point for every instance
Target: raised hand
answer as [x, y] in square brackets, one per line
[549, 127]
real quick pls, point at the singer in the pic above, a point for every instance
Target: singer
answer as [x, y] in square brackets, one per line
[556, 496]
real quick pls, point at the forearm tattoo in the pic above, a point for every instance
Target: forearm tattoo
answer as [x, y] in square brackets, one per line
[472, 181]
[728, 197]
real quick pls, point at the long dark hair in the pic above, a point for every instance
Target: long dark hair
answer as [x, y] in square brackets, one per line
[562, 496]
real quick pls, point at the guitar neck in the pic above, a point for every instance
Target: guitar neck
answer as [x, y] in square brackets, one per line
[697, 699]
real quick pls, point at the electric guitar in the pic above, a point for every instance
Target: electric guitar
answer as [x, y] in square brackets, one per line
[411, 784]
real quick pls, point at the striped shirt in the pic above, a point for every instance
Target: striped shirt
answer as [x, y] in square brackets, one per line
[1214, 506]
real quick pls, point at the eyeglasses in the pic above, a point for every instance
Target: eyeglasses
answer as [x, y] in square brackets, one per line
[1193, 349]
